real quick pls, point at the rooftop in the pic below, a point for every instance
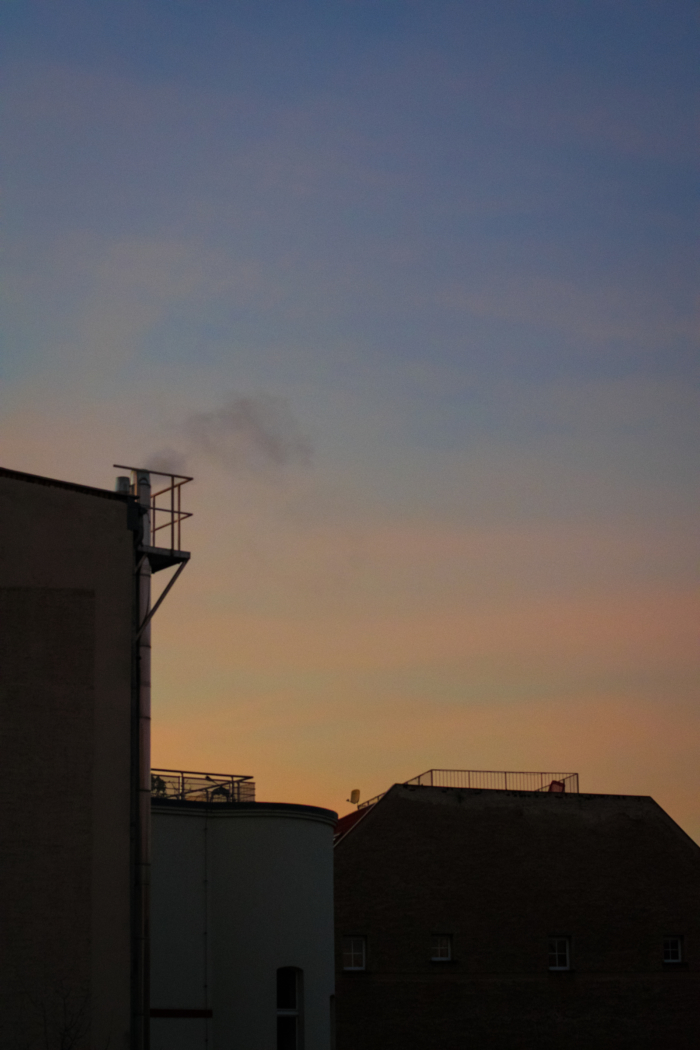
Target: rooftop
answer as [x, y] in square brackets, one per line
[187, 786]
[490, 780]
[36, 479]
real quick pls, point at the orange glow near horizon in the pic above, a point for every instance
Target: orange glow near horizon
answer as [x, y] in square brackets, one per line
[411, 298]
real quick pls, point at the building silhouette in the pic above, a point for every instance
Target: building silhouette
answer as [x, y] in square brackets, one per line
[75, 569]
[66, 653]
[242, 918]
[241, 909]
[500, 909]
[515, 918]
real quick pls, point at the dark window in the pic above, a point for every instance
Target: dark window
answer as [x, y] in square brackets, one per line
[287, 988]
[353, 953]
[289, 1008]
[559, 953]
[673, 949]
[287, 1033]
[441, 950]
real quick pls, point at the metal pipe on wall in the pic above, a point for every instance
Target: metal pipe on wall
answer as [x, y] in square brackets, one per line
[148, 559]
[142, 775]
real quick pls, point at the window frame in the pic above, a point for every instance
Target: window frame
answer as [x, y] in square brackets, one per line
[557, 939]
[435, 947]
[678, 938]
[356, 938]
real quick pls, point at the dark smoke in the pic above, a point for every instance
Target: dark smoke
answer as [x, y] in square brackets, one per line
[246, 433]
[169, 460]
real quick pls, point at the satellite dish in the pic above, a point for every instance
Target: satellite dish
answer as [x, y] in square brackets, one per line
[355, 796]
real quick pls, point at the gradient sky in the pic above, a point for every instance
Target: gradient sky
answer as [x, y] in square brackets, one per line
[410, 287]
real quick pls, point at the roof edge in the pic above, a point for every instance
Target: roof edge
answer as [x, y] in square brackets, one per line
[248, 809]
[340, 837]
[515, 791]
[86, 490]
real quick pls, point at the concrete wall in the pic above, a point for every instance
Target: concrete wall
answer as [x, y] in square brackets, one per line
[237, 892]
[66, 571]
[501, 872]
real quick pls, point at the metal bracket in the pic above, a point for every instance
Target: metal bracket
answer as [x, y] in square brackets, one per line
[155, 608]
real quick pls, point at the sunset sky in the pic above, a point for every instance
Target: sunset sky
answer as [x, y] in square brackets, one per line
[409, 286]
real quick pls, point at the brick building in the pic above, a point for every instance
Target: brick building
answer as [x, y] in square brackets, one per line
[511, 918]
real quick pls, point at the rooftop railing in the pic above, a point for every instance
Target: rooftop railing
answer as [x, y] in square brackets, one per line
[166, 511]
[490, 780]
[170, 509]
[188, 786]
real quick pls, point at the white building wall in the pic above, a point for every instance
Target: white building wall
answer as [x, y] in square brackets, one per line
[179, 927]
[237, 892]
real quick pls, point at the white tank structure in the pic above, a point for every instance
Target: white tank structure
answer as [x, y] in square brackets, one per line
[241, 918]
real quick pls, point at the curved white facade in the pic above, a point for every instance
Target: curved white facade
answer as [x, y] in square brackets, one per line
[240, 891]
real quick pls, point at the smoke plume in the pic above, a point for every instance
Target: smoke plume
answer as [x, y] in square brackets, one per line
[257, 433]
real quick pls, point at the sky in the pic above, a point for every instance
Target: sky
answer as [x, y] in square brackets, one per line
[410, 288]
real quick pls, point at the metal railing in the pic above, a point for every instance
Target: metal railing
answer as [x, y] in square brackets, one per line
[497, 780]
[490, 780]
[170, 506]
[201, 787]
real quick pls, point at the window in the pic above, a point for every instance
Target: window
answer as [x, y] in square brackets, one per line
[353, 953]
[673, 949]
[441, 948]
[289, 1008]
[559, 953]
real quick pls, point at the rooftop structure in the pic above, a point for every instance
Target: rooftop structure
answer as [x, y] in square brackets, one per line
[186, 786]
[490, 780]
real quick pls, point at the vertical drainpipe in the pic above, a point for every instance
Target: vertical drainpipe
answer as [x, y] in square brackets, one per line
[142, 777]
[207, 940]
